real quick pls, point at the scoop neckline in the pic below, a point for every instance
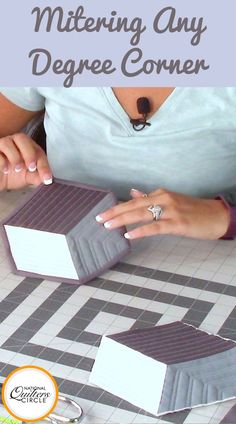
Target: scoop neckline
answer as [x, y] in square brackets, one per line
[124, 118]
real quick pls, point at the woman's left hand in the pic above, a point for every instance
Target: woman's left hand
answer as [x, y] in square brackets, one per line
[182, 215]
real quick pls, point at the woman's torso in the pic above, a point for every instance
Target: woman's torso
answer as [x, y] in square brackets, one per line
[190, 146]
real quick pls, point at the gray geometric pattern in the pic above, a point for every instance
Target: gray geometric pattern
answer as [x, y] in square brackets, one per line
[75, 328]
[59, 326]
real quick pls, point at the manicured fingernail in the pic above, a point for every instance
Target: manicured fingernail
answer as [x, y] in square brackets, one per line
[5, 171]
[98, 218]
[18, 168]
[127, 236]
[47, 179]
[32, 167]
[108, 224]
[135, 191]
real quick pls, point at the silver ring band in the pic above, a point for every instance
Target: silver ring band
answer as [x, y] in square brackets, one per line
[156, 211]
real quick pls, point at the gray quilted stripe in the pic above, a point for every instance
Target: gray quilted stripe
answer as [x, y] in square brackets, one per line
[184, 391]
[200, 381]
[91, 245]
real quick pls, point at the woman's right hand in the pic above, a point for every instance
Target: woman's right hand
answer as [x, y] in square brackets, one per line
[22, 163]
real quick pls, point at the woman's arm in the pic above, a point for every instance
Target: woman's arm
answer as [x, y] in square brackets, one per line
[182, 215]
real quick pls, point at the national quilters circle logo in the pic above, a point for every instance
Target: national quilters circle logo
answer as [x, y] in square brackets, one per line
[30, 393]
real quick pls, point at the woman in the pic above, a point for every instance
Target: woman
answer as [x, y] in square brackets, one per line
[175, 169]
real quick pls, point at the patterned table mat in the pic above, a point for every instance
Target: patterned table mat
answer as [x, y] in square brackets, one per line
[59, 326]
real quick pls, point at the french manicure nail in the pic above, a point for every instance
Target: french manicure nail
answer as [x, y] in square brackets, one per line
[98, 218]
[32, 167]
[127, 235]
[5, 171]
[47, 180]
[18, 168]
[135, 191]
[107, 224]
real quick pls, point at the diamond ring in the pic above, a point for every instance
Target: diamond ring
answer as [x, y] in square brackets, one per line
[156, 211]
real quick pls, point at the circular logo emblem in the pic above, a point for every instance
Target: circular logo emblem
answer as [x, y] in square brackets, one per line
[30, 393]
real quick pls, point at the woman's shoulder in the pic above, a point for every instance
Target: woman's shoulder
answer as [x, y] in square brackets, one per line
[25, 97]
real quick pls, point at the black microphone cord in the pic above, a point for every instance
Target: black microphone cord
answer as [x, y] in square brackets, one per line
[144, 108]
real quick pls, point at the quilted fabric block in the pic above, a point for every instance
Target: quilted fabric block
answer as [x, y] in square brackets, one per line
[167, 368]
[54, 234]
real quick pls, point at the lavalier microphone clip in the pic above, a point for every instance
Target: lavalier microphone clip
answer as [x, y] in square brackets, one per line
[144, 108]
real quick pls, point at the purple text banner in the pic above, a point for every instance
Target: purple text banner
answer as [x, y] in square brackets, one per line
[114, 43]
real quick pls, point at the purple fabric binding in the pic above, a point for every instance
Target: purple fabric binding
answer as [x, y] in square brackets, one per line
[231, 231]
[230, 417]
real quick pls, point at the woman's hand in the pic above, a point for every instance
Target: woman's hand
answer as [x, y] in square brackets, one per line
[22, 163]
[182, 215]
